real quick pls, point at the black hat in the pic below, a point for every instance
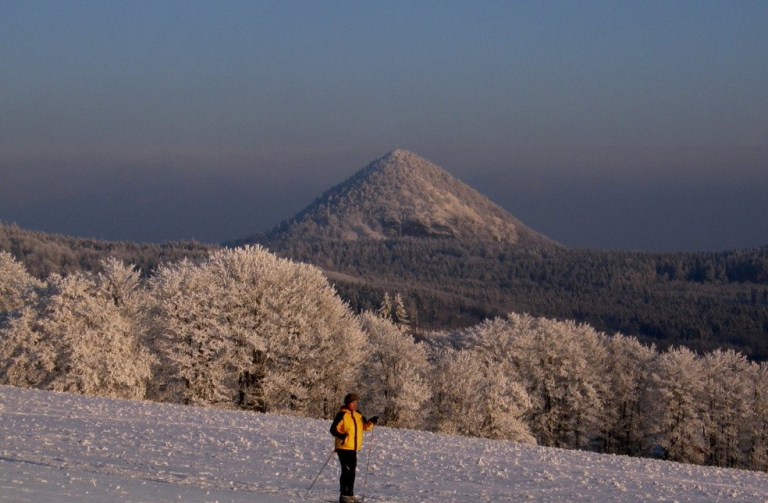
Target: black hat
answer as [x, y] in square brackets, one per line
[350, 398]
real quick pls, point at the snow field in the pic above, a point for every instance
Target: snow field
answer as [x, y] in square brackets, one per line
[58, 447]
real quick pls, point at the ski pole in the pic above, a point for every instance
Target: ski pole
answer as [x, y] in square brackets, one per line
[318, 475]
[367, 463]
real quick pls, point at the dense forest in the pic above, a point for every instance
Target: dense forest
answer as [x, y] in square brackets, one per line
[44, 254]
[700, 300]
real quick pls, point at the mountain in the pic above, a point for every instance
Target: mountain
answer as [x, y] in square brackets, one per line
[404, 195]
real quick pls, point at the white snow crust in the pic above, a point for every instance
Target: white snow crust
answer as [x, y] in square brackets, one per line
[57, 447]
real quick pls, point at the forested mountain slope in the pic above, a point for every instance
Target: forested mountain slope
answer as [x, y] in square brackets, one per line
[701, 300]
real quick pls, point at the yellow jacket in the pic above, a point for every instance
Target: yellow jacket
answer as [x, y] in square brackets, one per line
[348, 429]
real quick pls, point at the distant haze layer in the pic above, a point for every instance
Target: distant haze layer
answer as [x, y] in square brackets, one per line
[629, 125]
[176, 198]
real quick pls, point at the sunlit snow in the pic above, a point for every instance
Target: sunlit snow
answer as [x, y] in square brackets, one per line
[70, 448]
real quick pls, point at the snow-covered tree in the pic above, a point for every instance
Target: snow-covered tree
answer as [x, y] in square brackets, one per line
[626, 371]
[385, 309]
[27, 355]
[122, 284]
[726, 397]
[25, 358]
[507, 406]
[393, 309]
[185, 335]
[677, 423]
[570, 385]
[248, 329]
[75, 338]
[99, 351]
[399, 314]
[756, 443]
[16, 285]
[396, 372]
[560, 364]
[472, 397]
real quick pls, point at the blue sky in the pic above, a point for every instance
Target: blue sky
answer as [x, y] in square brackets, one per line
[628, 125]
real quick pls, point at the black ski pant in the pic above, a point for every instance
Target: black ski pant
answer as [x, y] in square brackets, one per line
[348, 460]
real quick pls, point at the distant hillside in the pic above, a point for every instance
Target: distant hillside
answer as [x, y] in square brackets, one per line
[403, 225]
[700, 300]
[404, 195]
[43, 253]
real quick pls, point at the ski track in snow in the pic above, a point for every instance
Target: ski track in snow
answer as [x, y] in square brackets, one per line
[57, 447]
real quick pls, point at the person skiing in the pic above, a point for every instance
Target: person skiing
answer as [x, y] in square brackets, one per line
[347, 428]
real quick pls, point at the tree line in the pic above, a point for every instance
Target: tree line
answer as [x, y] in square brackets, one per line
[245, 329]
[44, 253]
[701, 300]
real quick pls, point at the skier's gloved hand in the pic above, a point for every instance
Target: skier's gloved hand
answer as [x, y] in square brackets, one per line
[374, 419]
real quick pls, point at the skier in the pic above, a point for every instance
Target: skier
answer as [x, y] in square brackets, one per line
[348, 427]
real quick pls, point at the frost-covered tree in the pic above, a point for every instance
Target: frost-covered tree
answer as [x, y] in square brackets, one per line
[76, 338]
[472, 397]
[726, 397]
[16, 285]
[385, 309]
[122, 284]
[567, 381]
[396, 373]
[393, 309]
[561, 365]
[188, 338]
[626, 373]
[756, 444]
[399, 314]
[507, 406]
[248, 329]
[27, 355]
[678, 423]
[25, 358]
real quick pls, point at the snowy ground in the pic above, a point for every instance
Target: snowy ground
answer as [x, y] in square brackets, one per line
[68, 448]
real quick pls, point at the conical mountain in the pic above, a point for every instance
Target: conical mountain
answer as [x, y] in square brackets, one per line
[405, 195]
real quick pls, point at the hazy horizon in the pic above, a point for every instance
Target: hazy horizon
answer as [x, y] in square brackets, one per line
[630, 126]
